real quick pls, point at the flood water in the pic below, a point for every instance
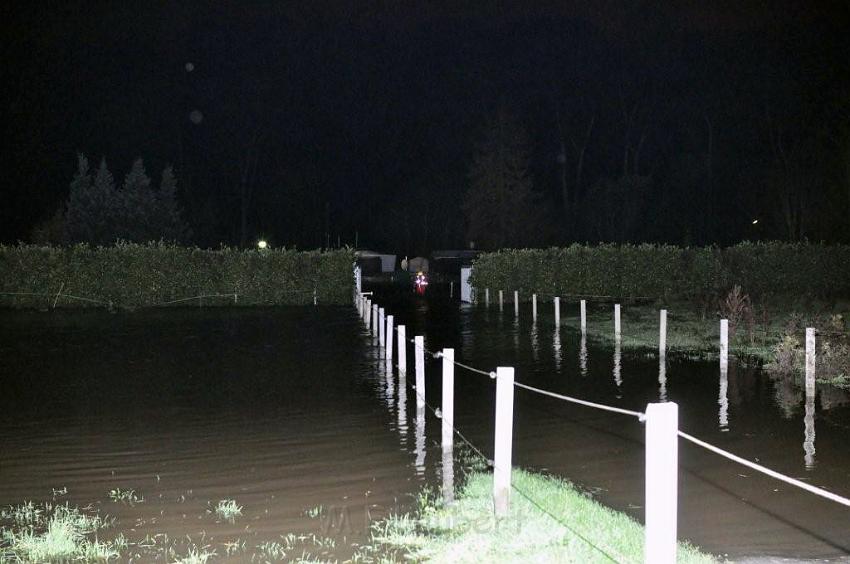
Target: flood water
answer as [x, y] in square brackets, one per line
[289, 409]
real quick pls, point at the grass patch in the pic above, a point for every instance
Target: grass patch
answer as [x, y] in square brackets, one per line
[227, 510]
[559, 524]
[125, 496]
[55, 533]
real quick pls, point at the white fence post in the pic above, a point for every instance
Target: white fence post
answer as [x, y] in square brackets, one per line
[504, 439]
[616, 320]
[662, 471]
[516, 303]
[389, 349]
[365, 309]
[375, 320]
[724, 344]
[381, 327]
[448, 398]
[810, 361]
[662, 335]
[534, 307]
[419, 356]
[402, 349]
[487, 297]
[501, 300]
[557, 311]
[583, 313]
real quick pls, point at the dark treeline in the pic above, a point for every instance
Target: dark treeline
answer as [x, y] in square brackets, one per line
[309, 127]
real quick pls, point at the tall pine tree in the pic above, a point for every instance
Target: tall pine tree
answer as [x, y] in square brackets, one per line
[136, 206]
[501, 207]
[170, 224]
[78, 218]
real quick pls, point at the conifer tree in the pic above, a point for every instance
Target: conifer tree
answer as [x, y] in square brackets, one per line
[78, 215]
[171, 226]
[136, 205]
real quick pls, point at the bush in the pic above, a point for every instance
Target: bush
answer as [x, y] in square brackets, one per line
[767, 271]
[134, 275]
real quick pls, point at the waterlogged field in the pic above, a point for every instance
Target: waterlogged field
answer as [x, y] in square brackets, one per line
[282, 435]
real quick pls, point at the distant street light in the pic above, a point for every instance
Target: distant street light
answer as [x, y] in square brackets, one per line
[262, 244]
[755, 221]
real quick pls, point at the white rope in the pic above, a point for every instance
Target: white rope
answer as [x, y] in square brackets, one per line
[772, 473]
[638, 414]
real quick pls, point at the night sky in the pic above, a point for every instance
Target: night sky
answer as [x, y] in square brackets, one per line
[359, 121]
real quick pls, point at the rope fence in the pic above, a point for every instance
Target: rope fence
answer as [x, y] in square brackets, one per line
[111, 304]
[662, 434]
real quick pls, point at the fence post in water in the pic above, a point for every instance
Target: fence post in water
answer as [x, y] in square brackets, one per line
[583, 315]
[381, 327]
[448, 398]
[389, 347]
[315, 297]
[516, 303]
[662, 335]
[402, 349]
[451, 289]
[501, 300]
[724, 344]
[375, 320]
[617, 320]
[487, 297]
[557, 311]
[662, 468]
[810, 361]
[503, 442]
[419, 356]
[534, 307]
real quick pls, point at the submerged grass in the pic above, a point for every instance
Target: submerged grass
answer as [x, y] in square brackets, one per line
[228, 510]
[54, 533]
[549, 521]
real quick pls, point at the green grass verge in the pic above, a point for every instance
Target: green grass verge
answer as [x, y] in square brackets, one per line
[551, 522]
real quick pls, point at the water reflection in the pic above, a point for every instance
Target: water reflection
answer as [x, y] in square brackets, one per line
[390, 384]
[535, 342]
[809, 433]
[617, 360]
[662, 378]
[582, 355]
[420, 440]
[723, 399]
[402, 407]
[787, 395]
[516, 333]
[556, 348]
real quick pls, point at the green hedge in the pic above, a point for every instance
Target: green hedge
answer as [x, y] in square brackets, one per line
[131, 275]
[764, 270]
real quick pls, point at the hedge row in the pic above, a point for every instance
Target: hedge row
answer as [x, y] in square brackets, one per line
[764, 270]
[131, 275]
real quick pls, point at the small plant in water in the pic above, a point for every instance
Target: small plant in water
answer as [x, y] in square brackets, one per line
[227, 510]
[127, 496]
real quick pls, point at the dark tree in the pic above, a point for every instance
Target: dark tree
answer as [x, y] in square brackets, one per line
[501, 206]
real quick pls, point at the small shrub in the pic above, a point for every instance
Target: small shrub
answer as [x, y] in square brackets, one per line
[788, 355]
[736, 307]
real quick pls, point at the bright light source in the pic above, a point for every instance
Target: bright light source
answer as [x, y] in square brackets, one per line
[755, 221]
[262, 244]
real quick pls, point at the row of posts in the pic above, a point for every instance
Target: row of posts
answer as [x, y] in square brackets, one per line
[662, 425]
[662, 335]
